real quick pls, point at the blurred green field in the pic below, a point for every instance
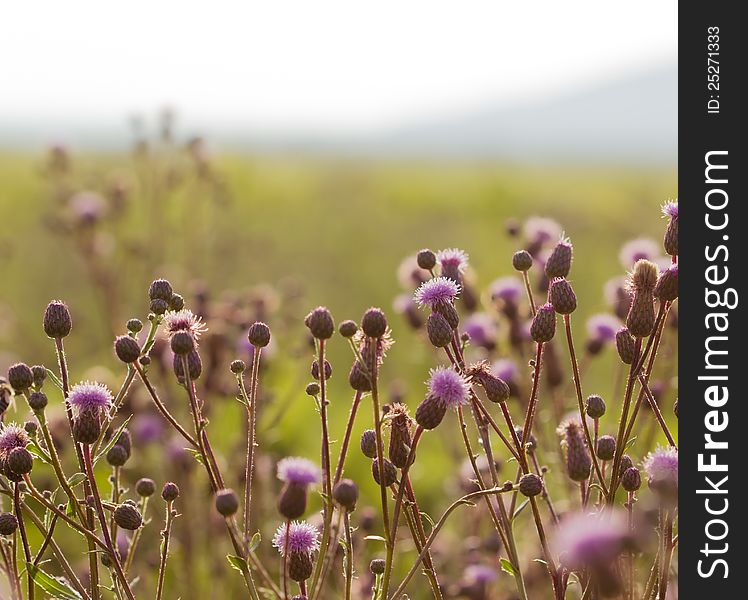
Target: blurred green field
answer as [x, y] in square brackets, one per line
[333, 231]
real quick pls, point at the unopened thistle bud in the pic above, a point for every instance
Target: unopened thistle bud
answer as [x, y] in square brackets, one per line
[400, 441]
[641, 318]
[40, 375]
[631, 480]
[670, 210]
[530, 485]
[170, 491]
[194, 366]
[666, 289]
[182, 343]
[522, 260]
[8, 523]
[369, 443]
[176, 302]
[31, 427]
[606, 447]
[134, 325]
[430, 412]
[348, 328]
[312, 389]
[57, 320]
[497, 390]
[227, 502]
[449, 312]
[259, 334]
[128, 517]
[558, 263]
[320, 323]
[18, 463]
[426, 259]
[626, 462]
[626, 346]
[595, 406]
[562, 296]
[578, 459]
[439, 330]
[238, 366]
[358, 378]
[374, 323]
[160, 289]
[86, 427]
[159, 306]
[117, 456]
[388, 469]
[300, 565]
[38, 401]
[145, 487]
[20, 377]
[377, 566]
[126, 349]
[543, 326]
[345, 493]
[315, 370]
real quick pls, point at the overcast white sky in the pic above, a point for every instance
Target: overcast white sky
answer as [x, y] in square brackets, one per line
[338, 65]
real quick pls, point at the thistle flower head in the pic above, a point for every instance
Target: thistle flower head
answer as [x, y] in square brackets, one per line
[541, 230]
[662, 467]
[481, 329]
[449, 386]
[438, 290]
[603, 327]
[670, 209]
[410, 274]
[452, 260]
[302, 537]
[184, 320]
[508, 289]
[505, 369]
[301, 471]
[12, 436]
[638, 249]
[584, 539]
[90, 396]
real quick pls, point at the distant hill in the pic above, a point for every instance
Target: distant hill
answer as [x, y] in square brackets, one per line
[633, 119]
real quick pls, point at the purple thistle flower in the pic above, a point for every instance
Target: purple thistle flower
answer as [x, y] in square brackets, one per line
[87, 207]
[90, 395]
[670, 209]
[508, 289]
[505, 369]
[302, 537]
[540, 230]
[662, 467]
[480, 573]
[452, 260]
[584, 539]
[301, 471]
[147, 428]
[12, 436]
[437, 291]
[481, 329]
[184, 320]
[603, 327]
[449, 386]
[638, 249]
[409, 274]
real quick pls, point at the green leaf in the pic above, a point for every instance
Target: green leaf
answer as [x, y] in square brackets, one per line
[520, 508]
[54, 379]
[112, 440]
[56, 588]
[76, 479]
[630, 443]
[69, 510]
[429, 519]
[507, 567]
[255, 541]
[38, 452]
[238, 563]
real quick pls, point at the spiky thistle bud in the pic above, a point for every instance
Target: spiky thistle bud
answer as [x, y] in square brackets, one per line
[530, 485]
[320, 323]
[170, 491]
[182, 343]
[670, 241]
[128, 517]
[497, 390]
[86, 427]
[626, 346]
[31, 427]
[300, 565]
[374, 323]
[440, 332]
[543, 326]
[522, 260]
[430, 412]
[631, 480]
[57, 320]
[176, 302]
[345, 493]
[40, 375]
[126, 349]
[348, 328]
[595, 406]
[160, 289]
[626, 462]
[312, 389]
[8, 523]
[606, 447]
[641, 318]
[358, 378]
[117, 456]
[159, 306]
[315, 370]
[377, 566]
[145, 487]
[259, 334]
[238, 366]
[389, 472]
[20, 377]
[400, 441]
[558, 263]
[194, 366]
[562, 296]
[578, 459]
[426, 259]
[666, 289]
[18, 463]
[38, 401]
[227, 502]
[134, 325]
[369, 443]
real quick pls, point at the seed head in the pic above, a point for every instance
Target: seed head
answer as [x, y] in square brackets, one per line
[543, 326]
[145, 487]
[562, 296]
[522, 260]
[400, 440]
[578, 459]
[606, 447]
[259, 334]
[426, 259]
[57, 320]
[643, 277]
[558, 263]
[374, 323]
[227, 502]
[170, 491]
[160, 289]
[126, 349]
[497, 390]
[530, 485]
[128, 517]
[369, 443]
[345, 493]
[20, 377]
[666, 288]
[595, 406]
[320, 323]
[8, 523]
[641, 318]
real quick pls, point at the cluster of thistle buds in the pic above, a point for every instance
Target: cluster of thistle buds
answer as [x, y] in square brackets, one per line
[503, 366]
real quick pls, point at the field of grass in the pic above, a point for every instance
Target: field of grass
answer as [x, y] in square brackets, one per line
[329, 232]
